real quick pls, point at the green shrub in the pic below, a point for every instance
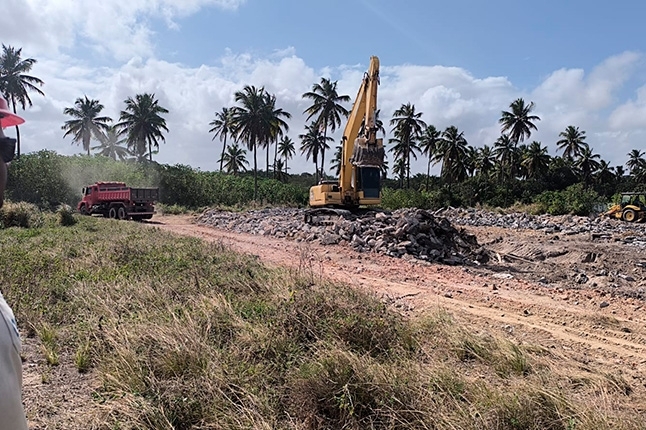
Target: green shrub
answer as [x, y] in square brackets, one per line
[403, 198]
[38, 178]
[575, 199]
[66, 215]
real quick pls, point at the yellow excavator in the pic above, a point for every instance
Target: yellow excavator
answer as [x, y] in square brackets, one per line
[362, 156]
[631, 207]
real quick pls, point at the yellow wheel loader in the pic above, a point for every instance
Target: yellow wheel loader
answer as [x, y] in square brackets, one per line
[631, 208]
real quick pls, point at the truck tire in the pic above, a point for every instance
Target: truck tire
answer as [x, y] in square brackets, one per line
[121, 213]
[84, 210]
[628, 215]
[112, 213]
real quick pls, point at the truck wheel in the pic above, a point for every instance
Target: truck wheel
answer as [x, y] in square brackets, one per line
[121, 213]
[112, 213]
[84, 210]
[628, 215]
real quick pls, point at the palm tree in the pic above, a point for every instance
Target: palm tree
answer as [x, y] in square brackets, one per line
[636, 161]
[111, 145]
[428, 146]
[587, 164]
[286, 149]
[605, 174]
[326, 106]
[407, 129]
[471, 160]
[277, 126]
[619, 172]
[536, 160]
[313, 143]
[518, 123]
[452, 151]
[252, 123]
[336, 162]
[15, 83]
[142, 123]
[400, 170]
[86, 123]
[222, 125]
[485, 161]
[234, 159]
[280, 175]
[505, 152]
[572, 142]
[384, 168]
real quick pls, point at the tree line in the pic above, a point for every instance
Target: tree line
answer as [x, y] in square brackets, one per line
[259, 124]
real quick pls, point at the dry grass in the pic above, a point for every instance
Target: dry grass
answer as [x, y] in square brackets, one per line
[187, 335]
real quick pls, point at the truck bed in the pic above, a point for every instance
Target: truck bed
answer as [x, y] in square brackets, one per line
[133, 194]
[144, 194]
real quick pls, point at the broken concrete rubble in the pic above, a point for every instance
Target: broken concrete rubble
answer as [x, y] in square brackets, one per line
[407, 232]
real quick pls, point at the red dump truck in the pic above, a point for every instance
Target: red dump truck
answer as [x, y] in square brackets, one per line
[116, 200]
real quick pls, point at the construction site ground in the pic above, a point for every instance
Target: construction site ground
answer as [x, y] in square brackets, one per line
[598, 325]
[578, 297]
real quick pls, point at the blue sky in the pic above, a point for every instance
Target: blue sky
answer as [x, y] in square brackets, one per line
[460, 62]
[488, 38]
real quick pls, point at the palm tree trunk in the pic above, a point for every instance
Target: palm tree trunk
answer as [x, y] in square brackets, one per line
[267, 171]
[255, 171]
[17, 142]
[428, 171]
[408, 167]
[323, 150]
[224, 147]
[13, 104]
[275, 155]
[150, 151]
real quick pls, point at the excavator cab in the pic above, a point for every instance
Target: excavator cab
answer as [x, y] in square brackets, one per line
[369, 180]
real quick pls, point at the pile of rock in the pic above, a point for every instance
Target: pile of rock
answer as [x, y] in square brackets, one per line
[411, 233]
[564, 224]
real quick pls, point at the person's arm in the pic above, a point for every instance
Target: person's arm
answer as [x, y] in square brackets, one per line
[12, 414]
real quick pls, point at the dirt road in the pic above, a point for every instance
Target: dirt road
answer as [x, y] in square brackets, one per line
[593, 329]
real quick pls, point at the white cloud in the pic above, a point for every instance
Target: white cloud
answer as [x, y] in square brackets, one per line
[114, 28]
[631, 114]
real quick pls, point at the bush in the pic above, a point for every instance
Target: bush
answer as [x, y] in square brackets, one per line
[20, 214]
[575, 200]
[403, 198]
[38, 178]
[66, 215]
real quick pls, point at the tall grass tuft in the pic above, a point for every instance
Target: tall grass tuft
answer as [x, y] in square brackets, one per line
[20, 214]
[66, 215]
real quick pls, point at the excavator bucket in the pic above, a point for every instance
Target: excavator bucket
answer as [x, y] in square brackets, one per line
[365, 154]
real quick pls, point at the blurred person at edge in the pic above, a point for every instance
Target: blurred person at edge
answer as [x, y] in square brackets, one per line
[12, 413]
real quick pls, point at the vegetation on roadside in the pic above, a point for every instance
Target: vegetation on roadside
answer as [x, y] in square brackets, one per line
[49, 180]
[184, 334]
